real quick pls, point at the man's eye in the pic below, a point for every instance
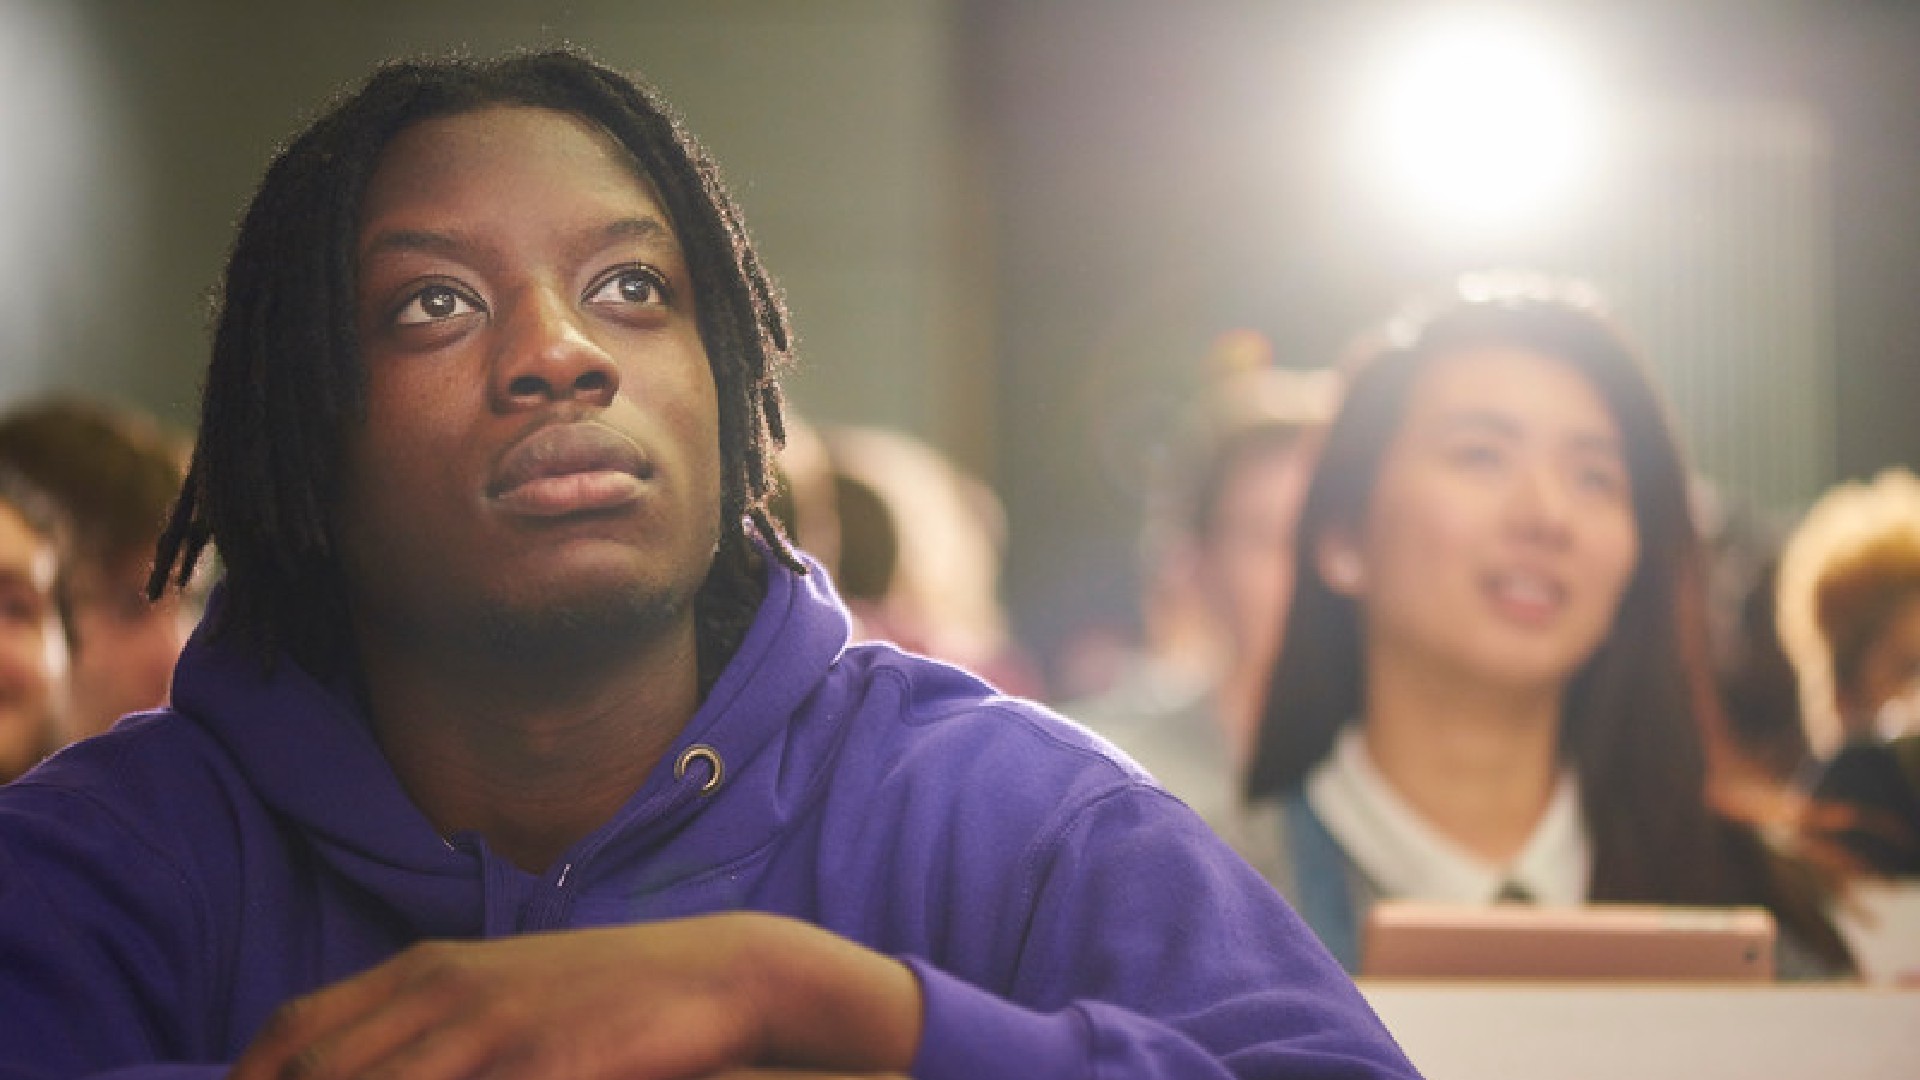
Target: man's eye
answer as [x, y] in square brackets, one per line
[633, 285]
[435, 303]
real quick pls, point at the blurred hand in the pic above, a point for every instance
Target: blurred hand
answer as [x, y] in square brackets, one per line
[736, 995]
[794, 1074]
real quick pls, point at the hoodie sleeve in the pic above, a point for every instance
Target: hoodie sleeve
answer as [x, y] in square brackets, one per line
[98, 935]
[129, 1073]
[1151, 950]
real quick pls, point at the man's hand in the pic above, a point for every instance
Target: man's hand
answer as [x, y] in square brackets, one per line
[717, 996]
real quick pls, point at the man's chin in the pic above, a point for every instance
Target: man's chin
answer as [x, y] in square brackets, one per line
[579, 622]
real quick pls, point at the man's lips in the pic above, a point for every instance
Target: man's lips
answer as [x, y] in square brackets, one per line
[569, 468]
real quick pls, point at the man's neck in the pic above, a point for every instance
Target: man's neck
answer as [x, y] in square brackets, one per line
[532, 756]
[1478, 762]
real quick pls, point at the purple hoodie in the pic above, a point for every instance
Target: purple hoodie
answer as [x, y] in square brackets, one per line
[164, 887]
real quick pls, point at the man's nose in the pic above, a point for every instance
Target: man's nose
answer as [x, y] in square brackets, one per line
[547, 356]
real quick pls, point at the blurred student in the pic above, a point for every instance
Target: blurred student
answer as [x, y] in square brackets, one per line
[33, 641]
[802, 501]
[1849, 615]
[1493, 682]
[912, 543]
[114, 475]
[1758, 691]
[1218, 572]
[918, 546]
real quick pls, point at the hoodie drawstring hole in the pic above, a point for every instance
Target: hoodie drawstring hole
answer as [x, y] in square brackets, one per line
[701, 752]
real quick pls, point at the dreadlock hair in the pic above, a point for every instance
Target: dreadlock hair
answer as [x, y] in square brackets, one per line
[285, 384]
[1640, 716]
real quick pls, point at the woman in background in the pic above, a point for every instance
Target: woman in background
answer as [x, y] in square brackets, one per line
[1494, 682]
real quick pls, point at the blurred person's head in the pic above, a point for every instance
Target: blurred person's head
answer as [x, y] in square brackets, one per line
[920, 541]
[1501, 509]
[920, 545]
[286, 407]
[803, 499]
[1760, 687]
[114, 474]
[1849, 608]
[33, 639]
[1219, 541]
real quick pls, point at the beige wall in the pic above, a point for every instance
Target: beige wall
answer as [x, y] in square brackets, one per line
[135, 132]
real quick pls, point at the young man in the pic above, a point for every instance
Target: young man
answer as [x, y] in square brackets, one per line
[507, 643]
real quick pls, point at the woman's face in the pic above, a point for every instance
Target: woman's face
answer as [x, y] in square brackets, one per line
[1500, 534]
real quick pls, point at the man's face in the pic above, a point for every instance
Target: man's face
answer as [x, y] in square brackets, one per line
[541, 446]
[32, 647]
[126, 645]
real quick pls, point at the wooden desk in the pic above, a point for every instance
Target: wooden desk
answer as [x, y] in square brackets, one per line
[1589, 1031]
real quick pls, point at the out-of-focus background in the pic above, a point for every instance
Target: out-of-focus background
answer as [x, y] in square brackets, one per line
[1018, 230]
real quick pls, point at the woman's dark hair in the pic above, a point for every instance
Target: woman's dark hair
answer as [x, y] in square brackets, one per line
[285, 384]
[1641, 714]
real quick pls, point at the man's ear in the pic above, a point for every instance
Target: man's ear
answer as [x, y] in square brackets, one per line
[1337, 558]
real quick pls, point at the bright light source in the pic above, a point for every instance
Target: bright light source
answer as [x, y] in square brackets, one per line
[1480, 123]
[62, 237]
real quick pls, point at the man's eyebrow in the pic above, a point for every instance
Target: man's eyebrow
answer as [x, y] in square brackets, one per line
[638, 228]
[647, 231]
[421, 240]
[650, 234]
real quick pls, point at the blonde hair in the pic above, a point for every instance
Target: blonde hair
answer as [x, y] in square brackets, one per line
[1843, 572]
[948, 537]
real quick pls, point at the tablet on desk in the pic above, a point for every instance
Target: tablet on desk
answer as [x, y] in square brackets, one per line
[1410, 940]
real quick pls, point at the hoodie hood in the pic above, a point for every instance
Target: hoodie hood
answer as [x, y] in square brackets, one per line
[308, 747]
[168, 885]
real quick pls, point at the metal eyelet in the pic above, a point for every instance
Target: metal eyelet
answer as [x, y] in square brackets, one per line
[702, 752]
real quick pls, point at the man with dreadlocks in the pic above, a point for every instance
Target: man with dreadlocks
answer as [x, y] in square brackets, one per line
[518, 742]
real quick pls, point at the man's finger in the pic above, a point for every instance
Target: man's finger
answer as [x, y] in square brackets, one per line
[306, 1038]
[449, 1051]
[800, 1074]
